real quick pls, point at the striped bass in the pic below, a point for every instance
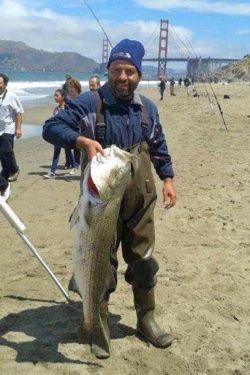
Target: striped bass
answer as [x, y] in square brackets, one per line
[104, 183]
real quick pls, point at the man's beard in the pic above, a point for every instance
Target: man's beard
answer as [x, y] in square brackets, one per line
[125, 94]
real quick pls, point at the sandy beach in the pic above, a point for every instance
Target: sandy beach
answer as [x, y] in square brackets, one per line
[202, 245]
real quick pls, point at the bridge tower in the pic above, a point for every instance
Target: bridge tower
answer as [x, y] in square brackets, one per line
[163, 48]
[193, 67]
[105, 53]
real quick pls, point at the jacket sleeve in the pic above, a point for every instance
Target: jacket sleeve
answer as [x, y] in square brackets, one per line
[158, 149]
[64, 128]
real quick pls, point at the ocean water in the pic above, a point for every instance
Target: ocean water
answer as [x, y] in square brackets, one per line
[34, 88]
[37, 89]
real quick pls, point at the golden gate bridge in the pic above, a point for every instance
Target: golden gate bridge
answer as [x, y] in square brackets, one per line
[195, 66]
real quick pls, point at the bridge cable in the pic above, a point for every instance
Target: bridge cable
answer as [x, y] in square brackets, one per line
[145, 44]
[153, 41]
[183, 54]
[173, 35]
[99, 23]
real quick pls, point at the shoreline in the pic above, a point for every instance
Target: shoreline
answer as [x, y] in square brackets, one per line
[37, 111]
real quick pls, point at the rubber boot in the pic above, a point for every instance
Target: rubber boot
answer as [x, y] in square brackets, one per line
[144, 300]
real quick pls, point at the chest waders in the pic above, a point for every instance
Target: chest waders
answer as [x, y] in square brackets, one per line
[136, 233]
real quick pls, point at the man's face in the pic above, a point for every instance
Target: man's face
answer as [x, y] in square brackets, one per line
[2, 85]
[93, 84]
[123, 78]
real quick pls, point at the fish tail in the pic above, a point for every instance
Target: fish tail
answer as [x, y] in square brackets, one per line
[100, 343]
[98, 339]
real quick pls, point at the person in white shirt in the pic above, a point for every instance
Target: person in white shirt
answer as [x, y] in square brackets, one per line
[10, 127]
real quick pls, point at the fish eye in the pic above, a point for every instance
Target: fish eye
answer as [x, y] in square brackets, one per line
[121, 171]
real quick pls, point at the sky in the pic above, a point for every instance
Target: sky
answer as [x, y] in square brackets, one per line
[219, 29]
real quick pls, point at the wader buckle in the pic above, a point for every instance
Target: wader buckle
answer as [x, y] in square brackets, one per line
[101, 133]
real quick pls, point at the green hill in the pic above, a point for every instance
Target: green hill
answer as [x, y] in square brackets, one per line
[19, 56]
[239, 70]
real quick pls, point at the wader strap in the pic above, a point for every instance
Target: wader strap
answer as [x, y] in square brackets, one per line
[144, 117]
[99, 112]
[100, 126]
[144, 121]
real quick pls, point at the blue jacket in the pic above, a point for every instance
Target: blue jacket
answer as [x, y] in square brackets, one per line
[123, 121]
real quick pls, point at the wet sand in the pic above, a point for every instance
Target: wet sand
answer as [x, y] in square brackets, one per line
[37, 115]
[202, 245]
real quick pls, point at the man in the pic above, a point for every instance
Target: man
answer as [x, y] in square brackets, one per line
[10, 126]
[171, 86]
[162, 86]
[94, 83]
[187, 84]
[124, 112]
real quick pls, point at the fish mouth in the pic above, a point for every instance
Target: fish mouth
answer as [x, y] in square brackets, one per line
[92, 187]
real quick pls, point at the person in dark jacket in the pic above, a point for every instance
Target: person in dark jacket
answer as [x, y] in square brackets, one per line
[123, 110]
[162, 87]
[171, 86]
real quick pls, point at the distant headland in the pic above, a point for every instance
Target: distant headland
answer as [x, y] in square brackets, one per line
[19, 56]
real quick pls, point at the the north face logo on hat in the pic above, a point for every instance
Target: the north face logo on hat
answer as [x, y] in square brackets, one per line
[122, 54]
[130, 50]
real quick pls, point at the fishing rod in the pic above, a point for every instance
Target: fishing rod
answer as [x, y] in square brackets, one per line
[99, 23]
[173, 33]
[218, 104]
[217, 101]
[20, 227]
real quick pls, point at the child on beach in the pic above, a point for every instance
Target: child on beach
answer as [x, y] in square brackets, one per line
[60, 98]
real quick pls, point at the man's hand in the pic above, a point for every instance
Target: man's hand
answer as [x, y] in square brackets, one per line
[92, 147]
[18, 123]
[169, 194]
[18, 133]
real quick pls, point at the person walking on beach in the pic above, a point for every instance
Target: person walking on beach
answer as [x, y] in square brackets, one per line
[94, 83]
[10, 127]
[162, 86]
[60, 98]
[171, 86]
[187, 84]
[132, 123]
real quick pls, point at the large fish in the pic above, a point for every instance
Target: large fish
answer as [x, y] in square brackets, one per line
[104, 183]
